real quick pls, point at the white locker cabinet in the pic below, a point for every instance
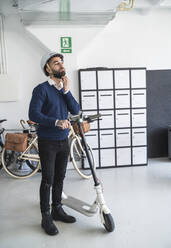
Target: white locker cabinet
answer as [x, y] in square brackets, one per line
[139, 118]
[122, 99]
[92, 138]
[123, 156]
[123, 137]
[119, 95]
[105, 99]
[105, 79]
[93, 125]
[122, 79]
[107, 157]
[89, 100]
[139, 155]
[139, 136]
[107, 117]
[107, 138]
[138, 78]
[138, 98]
[88, 80]
[122, 118]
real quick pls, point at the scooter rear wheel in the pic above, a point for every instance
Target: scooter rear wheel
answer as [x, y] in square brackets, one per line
[109, 222]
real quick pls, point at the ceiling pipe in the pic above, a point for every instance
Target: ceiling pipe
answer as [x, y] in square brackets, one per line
[3, 61]
[124, 6]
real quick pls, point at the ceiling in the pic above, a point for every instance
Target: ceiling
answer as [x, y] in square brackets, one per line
[74, 12]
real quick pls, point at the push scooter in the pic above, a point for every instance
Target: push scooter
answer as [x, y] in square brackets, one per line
[99, 203]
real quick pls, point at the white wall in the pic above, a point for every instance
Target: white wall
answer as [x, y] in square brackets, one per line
[23, 59]
[81, 38]
[132, 40]
[129, 40]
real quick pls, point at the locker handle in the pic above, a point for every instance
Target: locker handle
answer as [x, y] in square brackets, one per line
[138, 94]
[138, 113]
[107, 134]
[88, 95]
[139, 132]
[123, 133]
[106, 114]
[106, 95]
[123, 114]
[122, 94]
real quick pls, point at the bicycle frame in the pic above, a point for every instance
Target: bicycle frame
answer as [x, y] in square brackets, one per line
[35, 157]
[26, 156]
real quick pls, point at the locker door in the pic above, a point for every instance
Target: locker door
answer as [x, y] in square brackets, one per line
[105, 99]
[107, 138]
[107, 157]
[138, 98]
[92, 139]
[138, 78]
[123, 156]
[105, 79]
[107, 119]
[139, 136]
[123, 137]
[122, 79]
[139, 155]
[88, 80]
[89, 100]
[122, 99]
[122, 118]
[139, 118]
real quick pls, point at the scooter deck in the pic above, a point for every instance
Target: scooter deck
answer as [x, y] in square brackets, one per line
[79, 206]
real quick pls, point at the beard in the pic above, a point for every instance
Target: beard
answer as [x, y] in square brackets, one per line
[58, 74]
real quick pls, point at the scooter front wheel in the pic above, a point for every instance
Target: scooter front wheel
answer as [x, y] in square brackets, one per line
[109, 222]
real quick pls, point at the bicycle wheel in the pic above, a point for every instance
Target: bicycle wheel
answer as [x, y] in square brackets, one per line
[20, 168]
[79, 158]
[1, 147]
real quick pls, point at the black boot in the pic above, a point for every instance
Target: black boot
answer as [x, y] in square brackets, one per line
[59, 214]
[47, 224]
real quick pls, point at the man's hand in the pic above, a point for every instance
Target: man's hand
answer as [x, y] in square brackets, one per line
[65, 82]
[63, 124]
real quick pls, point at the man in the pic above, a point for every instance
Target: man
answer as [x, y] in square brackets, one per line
[51, 101]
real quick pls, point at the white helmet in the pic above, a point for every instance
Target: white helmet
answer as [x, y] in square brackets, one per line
[47, 57]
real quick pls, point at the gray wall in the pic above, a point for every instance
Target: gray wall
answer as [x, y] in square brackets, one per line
[158, 111]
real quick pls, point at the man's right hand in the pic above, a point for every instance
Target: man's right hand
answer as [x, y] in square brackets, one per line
[63, 124]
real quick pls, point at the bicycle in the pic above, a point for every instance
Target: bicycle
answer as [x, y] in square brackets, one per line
[1, 140]
[26, 164]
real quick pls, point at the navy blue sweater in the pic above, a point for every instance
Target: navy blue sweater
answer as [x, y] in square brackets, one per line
[48, 105]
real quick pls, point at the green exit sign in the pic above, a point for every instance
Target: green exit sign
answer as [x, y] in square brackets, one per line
[66, 45]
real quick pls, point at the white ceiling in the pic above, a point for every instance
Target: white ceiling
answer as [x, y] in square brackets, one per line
[88, 5]
[61, 12]
[71, 5]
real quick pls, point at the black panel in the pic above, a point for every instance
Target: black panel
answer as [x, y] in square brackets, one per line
[158, 111]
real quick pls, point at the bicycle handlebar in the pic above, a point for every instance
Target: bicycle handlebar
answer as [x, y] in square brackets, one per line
[88, 118]
[91, 118]
[3, 120]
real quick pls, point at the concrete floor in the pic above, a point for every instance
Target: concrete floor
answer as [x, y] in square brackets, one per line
[139, 199]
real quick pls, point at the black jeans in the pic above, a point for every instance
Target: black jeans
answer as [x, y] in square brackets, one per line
[53, 157]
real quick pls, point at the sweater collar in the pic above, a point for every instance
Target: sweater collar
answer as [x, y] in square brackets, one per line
[52, 82]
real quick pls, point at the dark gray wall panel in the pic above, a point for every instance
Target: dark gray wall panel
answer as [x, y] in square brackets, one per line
[158, 111]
